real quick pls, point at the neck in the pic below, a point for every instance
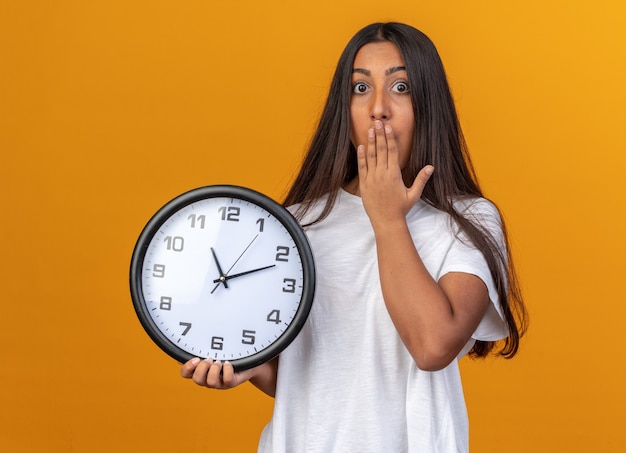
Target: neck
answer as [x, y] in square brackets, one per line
[353, 187]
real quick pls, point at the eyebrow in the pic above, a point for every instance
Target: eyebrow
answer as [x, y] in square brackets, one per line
[368, 73]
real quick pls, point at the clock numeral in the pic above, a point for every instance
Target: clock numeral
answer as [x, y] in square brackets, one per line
[166, 303]
[197, 220]
[274, 316]
[175, 243]
[186, 325]
[290, 285]
[282, 253]
[260, 223]
[217, 343]
[230, 214]
[248, 336]
[158, 270]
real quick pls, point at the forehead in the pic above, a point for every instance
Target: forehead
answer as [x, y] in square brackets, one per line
[381, 55]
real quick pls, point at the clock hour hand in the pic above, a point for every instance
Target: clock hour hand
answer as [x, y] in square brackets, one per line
[222, 277]
[225, 278]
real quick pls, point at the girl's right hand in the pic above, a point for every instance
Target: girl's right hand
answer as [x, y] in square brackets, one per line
[222, 376]
[214, 374]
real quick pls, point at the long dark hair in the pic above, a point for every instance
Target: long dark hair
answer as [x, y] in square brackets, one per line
[438, 140]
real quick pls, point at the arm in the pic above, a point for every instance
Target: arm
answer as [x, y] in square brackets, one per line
[434, 319]
[214, 374]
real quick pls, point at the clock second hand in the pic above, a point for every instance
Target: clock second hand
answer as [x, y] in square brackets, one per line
[224, 277]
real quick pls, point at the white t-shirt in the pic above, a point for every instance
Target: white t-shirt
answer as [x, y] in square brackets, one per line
[347, 383]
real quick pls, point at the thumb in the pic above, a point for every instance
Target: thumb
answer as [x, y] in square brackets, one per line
[415, 191]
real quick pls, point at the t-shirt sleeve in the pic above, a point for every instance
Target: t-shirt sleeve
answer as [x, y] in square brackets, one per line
[463, 256]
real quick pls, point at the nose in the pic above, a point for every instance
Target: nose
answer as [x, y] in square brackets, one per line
[380, 108]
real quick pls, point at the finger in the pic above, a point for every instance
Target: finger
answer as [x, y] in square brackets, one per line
[228, 375]
[201, 371]
[392, 148]
[189, 367]
[381, 144]
[361, 162]
[371, 149]
[415, 192]
[214, 377]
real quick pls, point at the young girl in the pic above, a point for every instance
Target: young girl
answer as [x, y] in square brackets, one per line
[412, 263]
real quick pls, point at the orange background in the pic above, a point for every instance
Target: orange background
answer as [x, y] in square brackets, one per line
[111, 108]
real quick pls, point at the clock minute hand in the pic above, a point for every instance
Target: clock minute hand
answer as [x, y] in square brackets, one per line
[240, 274]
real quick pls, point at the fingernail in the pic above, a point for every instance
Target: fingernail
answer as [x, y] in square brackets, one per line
[378, 124]
[429, 170]
[388, 129]
[370, 133]
[195, 360]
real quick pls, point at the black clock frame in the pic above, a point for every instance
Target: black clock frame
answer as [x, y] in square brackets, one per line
[223, 191]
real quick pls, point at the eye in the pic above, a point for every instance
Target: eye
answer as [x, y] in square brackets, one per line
[400, 87]
[359, 88]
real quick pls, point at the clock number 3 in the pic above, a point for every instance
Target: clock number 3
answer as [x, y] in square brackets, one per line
[290, 285]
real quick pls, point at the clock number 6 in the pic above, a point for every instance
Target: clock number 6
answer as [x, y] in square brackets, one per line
[217, 343]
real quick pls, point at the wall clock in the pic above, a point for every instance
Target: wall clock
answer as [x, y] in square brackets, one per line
[222, 272]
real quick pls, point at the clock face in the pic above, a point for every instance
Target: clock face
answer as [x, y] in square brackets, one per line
[222, 272]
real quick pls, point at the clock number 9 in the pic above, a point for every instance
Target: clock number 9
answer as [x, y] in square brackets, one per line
[158, 270]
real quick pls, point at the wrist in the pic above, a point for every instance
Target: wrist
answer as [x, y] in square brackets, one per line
[389, 226]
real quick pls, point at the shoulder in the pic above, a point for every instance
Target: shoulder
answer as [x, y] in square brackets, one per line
[476, 206]
[480, 211]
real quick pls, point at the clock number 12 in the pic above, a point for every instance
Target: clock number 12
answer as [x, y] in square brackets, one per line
[230, 214]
